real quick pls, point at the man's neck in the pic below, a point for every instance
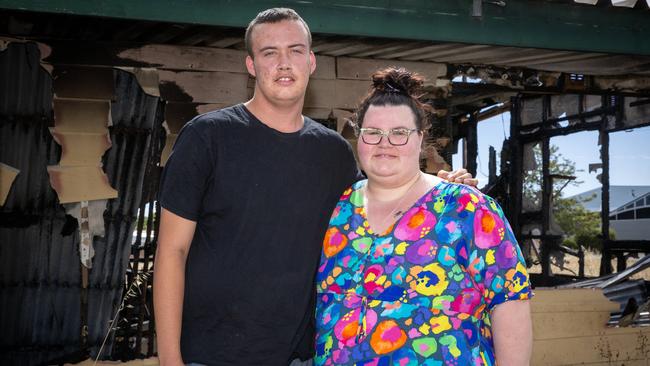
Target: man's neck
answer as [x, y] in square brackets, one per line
[281, 118]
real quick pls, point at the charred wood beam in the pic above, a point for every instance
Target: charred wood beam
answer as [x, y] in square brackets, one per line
[640, 103]
[529, 217]
[492, 177]
[565, 249]
[516, 167]
[487, 87]
[494, 111]
[471, 145]
[547, 189]
[625, 128]
[545, 281]
[580, 116]
[620, 262]
[605, 265]
[450, 149]
[618, 103]
[553, 237]
[90, 54]
[540, 134]
[459, 87]
[167, 57]
[629, 246]
[579, 127]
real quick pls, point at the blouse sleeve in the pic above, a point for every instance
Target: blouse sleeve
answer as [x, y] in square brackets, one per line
[495, 261]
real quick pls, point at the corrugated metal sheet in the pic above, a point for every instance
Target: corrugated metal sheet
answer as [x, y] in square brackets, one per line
[137, 126]
[630, 294]
[26, 86]
[630, 289]
[141, 115]
[626, 293]
[40, 286]
[617, 3]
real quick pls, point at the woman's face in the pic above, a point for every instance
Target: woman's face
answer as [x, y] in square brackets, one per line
[391, 164]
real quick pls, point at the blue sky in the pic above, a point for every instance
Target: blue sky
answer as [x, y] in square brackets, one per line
[629, 154]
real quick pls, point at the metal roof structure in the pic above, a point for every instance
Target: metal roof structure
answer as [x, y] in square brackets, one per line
[558, 36]
[620, 3]
[558, 24]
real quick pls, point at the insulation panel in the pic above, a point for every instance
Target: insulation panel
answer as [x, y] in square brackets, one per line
[7, 176]
[80, 183]
[90, 116]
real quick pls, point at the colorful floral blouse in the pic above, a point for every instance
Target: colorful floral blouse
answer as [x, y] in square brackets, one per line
[421, 293]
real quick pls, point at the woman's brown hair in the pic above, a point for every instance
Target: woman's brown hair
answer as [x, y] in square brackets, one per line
[394, 86]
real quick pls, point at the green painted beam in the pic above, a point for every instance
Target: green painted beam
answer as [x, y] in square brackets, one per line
[521, 23]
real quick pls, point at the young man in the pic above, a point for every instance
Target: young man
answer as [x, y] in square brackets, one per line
[246, 197]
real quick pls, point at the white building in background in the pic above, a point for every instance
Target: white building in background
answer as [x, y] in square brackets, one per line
[631, 221]
[629, 210]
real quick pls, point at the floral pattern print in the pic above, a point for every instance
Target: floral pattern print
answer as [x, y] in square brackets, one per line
[420, 293]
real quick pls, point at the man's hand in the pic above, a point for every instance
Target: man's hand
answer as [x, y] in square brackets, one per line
[458, 176]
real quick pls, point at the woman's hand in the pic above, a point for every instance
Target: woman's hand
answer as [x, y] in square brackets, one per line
[458, 176]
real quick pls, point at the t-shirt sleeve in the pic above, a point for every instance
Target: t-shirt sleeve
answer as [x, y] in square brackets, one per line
[186, 174]
[496, 262]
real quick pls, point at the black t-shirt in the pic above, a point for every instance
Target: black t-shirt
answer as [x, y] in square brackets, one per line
[261, 200]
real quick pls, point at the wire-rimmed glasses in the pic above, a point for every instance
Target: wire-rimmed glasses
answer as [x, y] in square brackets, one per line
[396, 136]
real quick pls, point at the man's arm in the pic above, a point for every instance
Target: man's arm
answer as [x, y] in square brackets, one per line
[174, 240]
[512, 332]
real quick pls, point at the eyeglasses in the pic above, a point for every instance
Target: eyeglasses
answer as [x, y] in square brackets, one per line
[396, 136]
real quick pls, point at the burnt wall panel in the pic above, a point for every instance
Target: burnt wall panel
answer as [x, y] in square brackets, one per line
[40, 272]
[137, 125]
[26, 86]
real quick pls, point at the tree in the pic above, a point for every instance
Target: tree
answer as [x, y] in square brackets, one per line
[558, 165]
[581, 227]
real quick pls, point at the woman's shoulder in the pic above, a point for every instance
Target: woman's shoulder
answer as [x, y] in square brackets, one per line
[358, 185]
[456, 188]
[354, 193]
[461, 194]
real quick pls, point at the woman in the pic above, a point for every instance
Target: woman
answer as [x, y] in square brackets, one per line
[415, 270]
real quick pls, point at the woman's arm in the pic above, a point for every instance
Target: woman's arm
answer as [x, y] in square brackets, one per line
[512, 333]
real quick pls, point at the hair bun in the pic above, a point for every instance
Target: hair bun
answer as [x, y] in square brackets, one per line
[397, 80]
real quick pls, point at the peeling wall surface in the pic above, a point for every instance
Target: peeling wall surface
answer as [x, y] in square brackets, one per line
[42, 315]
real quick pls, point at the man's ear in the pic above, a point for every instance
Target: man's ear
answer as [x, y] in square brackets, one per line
[250, 66]
[312, 62]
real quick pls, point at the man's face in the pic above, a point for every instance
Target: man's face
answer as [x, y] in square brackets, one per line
[282, 62]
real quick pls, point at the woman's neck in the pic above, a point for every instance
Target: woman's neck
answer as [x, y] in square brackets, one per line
[377, 191]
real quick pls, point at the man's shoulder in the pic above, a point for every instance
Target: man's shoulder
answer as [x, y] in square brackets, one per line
[322, 132]
[218, 118]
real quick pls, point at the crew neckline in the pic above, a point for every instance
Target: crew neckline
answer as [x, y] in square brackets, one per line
[264, 126]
